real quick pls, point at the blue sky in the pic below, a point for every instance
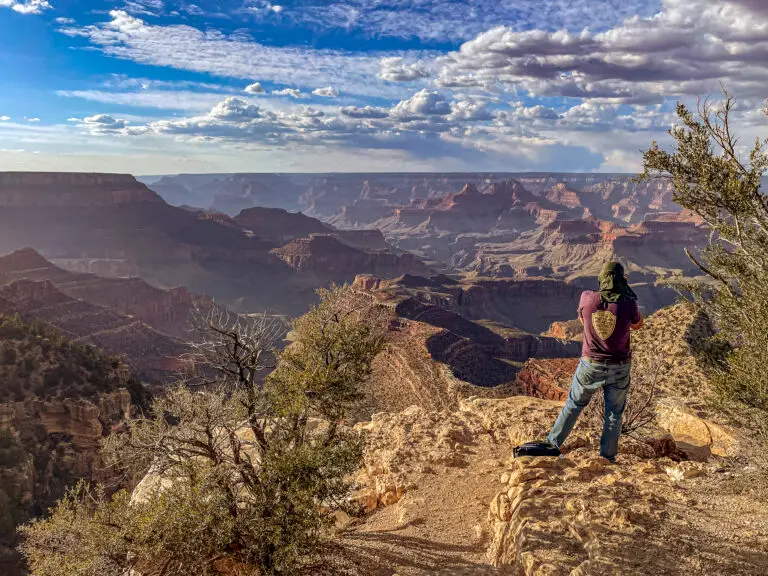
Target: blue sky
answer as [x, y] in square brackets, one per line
[162, 86]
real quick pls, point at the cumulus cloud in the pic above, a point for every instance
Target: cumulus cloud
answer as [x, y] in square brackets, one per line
[537, 112]
[236, 109]
[327, 92]
[255, 88]
[26, 6]
[687, 48]
[423, 103]
[464, 122]
[292, 92]
[103, 124]
[4, 118]
[364, 112]
[469, 110]
[395, 69]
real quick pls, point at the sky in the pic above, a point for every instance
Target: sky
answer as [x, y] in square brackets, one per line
[167, 86]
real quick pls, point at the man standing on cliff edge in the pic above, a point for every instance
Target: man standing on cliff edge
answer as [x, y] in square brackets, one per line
[607, 316]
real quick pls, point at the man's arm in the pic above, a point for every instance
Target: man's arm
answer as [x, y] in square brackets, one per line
[638, 320]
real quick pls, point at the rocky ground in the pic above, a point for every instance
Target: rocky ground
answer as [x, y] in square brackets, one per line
[443, 494]
[449, 499]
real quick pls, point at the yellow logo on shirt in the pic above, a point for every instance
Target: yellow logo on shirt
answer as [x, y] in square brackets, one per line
[604, 323]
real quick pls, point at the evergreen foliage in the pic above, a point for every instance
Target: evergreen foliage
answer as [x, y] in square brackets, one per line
[238, 471]
[716, 180]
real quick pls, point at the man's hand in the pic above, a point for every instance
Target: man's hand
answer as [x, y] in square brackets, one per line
[638, 325]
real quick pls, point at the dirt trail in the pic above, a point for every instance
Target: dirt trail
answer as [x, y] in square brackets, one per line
[576, 516]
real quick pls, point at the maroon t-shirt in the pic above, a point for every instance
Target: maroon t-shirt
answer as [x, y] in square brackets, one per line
[607, 327]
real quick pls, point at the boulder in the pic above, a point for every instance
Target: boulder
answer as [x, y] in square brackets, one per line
[694, 435]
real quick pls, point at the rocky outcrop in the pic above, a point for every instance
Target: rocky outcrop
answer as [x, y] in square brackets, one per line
[327, 257]
[547, 378]
[165, 310]
[367, 282]
[566, 330]
[148, 351]
[370, 240]
[694, 434]
[448, 476]
[279, 226]
[561, 195]
[84, 423]
[529, 305]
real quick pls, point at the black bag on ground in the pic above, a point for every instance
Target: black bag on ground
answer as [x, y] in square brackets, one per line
[535, 449]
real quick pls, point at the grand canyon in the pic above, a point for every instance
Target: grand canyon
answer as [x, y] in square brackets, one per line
[383, 288]
[479, 276]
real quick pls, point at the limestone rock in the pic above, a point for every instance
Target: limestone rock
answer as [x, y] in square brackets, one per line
[693, 433]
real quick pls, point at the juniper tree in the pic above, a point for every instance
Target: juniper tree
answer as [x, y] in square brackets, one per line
[238, 472]
[715, 180]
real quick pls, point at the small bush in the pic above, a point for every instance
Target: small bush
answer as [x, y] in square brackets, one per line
[647, 372]
[245, 470]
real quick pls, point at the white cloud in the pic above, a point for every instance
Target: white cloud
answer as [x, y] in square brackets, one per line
[187, 48]
[364, 112]
[104, 124]
[452, 20]
[292, 92]
[236, 109]
[32, 119]
[255, 88]
[261, 7]
[26, 6]
[184, 100]
[4, 118]
[469, 110]
[686, 49]
[148, 7]
[327, 92]
[395, 69]
[423, 103]
[62, 20]
[536, 112]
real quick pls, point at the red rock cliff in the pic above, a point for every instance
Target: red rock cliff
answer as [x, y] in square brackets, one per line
[547, 378]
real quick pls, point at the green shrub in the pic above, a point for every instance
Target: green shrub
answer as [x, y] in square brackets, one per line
[252, 468]
[712, 179]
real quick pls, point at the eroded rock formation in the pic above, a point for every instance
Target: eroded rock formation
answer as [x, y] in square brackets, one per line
[153, 355]
[548, 378]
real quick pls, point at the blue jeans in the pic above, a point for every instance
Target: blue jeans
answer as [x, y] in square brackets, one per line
[588, 379]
